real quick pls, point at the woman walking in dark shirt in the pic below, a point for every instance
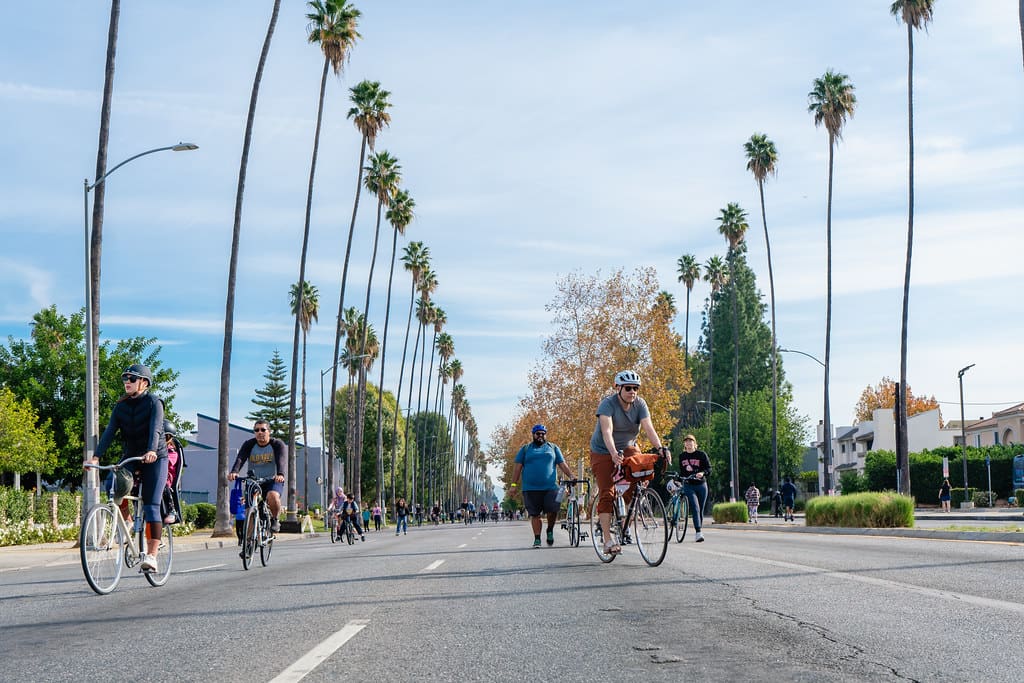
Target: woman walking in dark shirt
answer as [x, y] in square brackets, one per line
[694, 467]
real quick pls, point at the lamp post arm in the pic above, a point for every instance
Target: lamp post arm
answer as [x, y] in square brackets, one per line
[802, 353]
[180, 147]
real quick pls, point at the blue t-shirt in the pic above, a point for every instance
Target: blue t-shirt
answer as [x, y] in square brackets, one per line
[539, 466]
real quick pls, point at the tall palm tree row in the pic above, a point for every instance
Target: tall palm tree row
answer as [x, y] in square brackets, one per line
[415, 260]
[831, 102]
[332, 25]
[916, 14]
[383, 177]
[369, 114]
[762, 158]
[223, 525]
[732, 224]
[716, 274]
[399, 215]
[305, 306]
[689, 273]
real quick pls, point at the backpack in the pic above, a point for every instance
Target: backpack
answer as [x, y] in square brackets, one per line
[639, 466]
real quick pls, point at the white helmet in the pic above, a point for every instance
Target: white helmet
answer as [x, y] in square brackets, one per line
[627, 377]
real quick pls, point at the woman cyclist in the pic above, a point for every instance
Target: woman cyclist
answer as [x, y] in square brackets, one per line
[139, 418]
[620, 417]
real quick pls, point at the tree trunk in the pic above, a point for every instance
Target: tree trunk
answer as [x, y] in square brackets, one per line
[902, 444]
[361, 399]
[224, 525]
[827, 440]
[380, 388]
[775, 352]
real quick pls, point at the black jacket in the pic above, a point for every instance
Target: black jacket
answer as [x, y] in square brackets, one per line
[140, 421]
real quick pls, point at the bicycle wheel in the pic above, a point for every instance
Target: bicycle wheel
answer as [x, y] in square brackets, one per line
[266, 543]
[165, 558]
[572, 519]
[249, 537]
[334, 531]
[100, 544]
[350, 534]
[596, 537]
[650, 529]
[682, 513]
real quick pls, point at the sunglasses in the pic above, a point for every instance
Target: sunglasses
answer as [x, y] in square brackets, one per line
[129, 379]
[633, 389]
[261, 429]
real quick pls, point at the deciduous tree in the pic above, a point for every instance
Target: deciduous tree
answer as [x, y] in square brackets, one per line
[883, 395]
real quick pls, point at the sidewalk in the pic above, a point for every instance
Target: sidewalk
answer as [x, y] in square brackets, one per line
[19, 557]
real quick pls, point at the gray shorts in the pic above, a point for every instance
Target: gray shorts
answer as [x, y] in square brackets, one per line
[537, 502]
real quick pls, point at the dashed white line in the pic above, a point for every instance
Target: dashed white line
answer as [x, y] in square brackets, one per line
[313, 658]
[432, 566]
[463, 545]
[199, 569]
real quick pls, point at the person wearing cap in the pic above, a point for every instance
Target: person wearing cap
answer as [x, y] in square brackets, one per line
[267, 457]
[139, 418]
[536, 462]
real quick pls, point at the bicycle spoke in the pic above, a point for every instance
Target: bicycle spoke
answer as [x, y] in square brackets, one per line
[650, 530]
[101, 546]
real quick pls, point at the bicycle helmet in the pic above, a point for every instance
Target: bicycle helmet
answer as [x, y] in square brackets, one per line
[169, 429]
[139, 370]
[122, 483]
[627, 377]
[538, 428]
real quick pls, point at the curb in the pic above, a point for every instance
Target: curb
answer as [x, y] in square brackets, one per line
[983, 536]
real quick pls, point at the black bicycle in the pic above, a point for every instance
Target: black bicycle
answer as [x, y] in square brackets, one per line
[572, 523]
[256, 532]
[678, 508]
[644, 516]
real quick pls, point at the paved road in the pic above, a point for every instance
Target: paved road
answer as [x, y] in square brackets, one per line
[476, 604]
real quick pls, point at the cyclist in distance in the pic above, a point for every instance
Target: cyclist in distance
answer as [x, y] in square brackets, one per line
[139, 417]
[695, 466]
[620, 417]
[351, 508]
[267, 457]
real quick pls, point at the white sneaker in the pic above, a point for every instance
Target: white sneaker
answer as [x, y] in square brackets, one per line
[149, 563]
[700, 538]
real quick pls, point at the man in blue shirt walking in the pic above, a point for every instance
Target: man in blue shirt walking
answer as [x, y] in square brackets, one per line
[536, 462]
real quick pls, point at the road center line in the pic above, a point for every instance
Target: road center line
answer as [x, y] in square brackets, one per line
[313, 658]
[885, 583]
[199, 569]
[432, 566]
[463, 545]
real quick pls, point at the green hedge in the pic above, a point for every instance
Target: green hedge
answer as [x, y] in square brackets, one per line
[205, 515]
[730, 512]
[1019, 495]
[872, 510]
[15, 506]
[926, 470]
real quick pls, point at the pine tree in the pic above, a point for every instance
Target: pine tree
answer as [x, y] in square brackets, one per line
[273, 399]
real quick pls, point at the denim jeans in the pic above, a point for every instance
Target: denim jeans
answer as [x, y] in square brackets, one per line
[696, 496]
[402, 524]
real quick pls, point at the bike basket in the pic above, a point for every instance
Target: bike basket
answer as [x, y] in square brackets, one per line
[640, 466]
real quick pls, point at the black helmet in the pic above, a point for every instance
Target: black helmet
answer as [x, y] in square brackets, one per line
[139, 370]
[122, 484]
[169, 429]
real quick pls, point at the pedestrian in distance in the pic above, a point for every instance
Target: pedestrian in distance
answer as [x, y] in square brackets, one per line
[753, 498]
[401, 517]
[267, 457]
[377, 516]
[776, 503]
[944, 495]
[538, 463]
[366, 516]
[138, 418]
[695, 466]
[788, 491]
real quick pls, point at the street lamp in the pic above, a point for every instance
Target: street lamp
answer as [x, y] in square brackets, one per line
[732, 470]
[963, 425]
[826, 442]
[91, 484]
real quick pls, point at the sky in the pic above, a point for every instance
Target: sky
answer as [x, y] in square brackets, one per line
[538, 139]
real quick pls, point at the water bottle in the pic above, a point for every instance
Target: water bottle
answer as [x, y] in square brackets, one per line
[620, 506]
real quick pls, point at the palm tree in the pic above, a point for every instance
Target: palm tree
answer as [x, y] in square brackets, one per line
[350, 361]
[332, 24]
[667, 303]
[761, 159]
[689, 273]
[832, 102]
[308, 314]
[400, 213]
[415, 259]
[732, 224]
[916, 14]
[382, 178]
[716, 274]
[369, 114]
[223, 525]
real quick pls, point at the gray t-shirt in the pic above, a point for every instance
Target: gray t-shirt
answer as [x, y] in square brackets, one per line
[625, 424]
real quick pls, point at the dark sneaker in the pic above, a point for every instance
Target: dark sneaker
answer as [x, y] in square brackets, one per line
[275, 525]
[536, 543]
[551, 537]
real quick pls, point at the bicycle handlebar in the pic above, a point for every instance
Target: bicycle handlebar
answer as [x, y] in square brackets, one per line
[120, 465]
[573, 482]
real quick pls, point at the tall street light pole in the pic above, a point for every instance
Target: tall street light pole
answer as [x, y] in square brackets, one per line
[90, 485]
[826, 442]
[963, 425]
[732, 469]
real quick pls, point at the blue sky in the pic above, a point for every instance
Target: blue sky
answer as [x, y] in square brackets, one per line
[537, 139]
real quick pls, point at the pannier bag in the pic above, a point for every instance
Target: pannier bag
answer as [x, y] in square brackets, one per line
[639, 466]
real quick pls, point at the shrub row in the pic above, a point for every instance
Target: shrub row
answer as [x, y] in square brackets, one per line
[926, 470]
[877, 510]
[730, 512]
[20, 506]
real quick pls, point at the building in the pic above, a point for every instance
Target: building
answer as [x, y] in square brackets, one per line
[199, 481]
[1004, 427]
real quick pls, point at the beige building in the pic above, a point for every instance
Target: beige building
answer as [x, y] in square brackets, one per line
[1004, 427]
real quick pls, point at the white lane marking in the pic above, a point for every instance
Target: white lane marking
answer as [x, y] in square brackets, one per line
[313, 658]
[199, 569]
[885, 583]
[463, 545]
[432, 566]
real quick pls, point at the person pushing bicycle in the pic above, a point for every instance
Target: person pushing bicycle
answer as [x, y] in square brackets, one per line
[139, 417]
[620, 417]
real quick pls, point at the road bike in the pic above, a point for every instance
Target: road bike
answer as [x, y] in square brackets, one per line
[644, 515]
[256, 531]
[107, 544]
[572, 523]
